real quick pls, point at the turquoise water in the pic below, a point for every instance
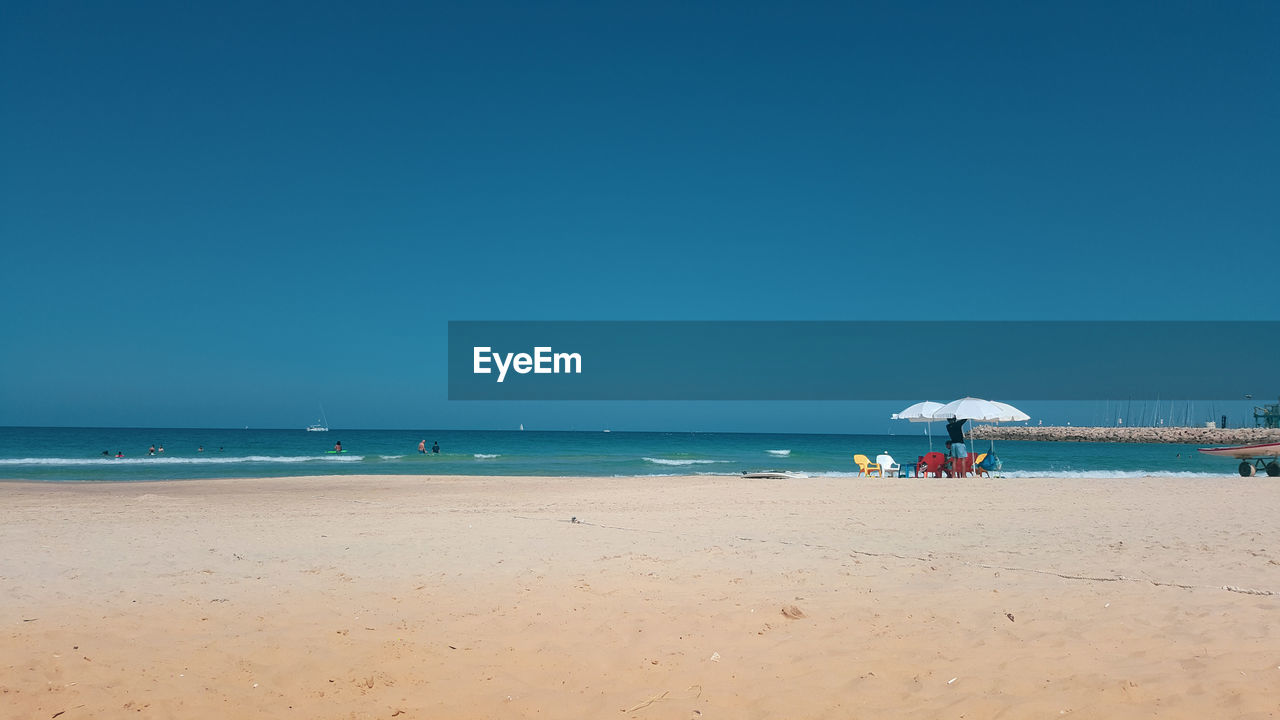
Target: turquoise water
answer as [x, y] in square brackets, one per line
[75, 454]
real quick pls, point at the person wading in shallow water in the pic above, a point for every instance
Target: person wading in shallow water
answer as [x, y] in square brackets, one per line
[337, 447]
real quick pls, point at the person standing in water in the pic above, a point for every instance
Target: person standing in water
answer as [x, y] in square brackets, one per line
[435, 447]
[337, 447]
[422, 447]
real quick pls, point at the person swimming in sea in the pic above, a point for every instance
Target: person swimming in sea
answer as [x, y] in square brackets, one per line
[337, 447]
[422, 447]
[435, 447]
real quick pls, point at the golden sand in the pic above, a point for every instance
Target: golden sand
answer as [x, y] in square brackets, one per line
[693, 598]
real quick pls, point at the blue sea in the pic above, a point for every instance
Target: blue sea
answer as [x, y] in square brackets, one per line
[77, 454]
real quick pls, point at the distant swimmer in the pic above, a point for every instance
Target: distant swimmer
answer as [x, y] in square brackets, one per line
[151, 450]
[106, 453]
[119, 453]
[337, 447]
[422, 447]
[200, 449]
[435, 447]
[160, 449]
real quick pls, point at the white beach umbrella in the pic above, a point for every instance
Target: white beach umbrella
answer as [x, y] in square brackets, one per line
[1009, 413]
[979, 410]
[969, 408]
[920, 412]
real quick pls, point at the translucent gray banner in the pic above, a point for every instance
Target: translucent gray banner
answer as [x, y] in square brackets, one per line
[570, 360]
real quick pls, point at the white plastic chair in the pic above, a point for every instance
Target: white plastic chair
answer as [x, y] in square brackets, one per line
[888, 466]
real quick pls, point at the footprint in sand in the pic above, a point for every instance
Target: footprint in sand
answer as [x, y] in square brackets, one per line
[793, 612]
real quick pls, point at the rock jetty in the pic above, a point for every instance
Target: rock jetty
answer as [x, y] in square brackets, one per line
[1184, 435]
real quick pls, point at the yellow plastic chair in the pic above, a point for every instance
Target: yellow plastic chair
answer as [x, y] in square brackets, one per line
[866, 467]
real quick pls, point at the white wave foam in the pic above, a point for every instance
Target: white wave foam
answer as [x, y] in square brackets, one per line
[1059, 474]
[779, 453]
[1109, 474]
[668, 461]
[485, 456]
[180, 460]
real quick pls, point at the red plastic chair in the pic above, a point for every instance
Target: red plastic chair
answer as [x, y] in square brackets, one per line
[931, 464]
[960, 467]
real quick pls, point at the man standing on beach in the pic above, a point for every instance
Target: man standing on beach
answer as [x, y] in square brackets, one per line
[955, 431]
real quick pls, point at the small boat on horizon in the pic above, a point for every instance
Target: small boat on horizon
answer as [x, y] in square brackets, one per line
[320, 425]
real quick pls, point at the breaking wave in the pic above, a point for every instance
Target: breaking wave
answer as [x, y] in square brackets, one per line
[161, 461]
[1056, 474]
[669, 461]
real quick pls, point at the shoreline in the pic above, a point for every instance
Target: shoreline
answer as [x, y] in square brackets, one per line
[479, 596]
[824, 475]
[68, 456]
[1172, 435]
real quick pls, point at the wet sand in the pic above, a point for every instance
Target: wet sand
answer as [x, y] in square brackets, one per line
[699, 598]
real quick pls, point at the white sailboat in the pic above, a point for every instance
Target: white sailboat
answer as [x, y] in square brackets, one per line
[321, 425]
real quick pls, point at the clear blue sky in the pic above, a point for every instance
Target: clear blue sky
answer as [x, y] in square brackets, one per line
[221, 214]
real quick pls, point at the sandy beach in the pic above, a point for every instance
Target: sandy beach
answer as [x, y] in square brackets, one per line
[693, 598]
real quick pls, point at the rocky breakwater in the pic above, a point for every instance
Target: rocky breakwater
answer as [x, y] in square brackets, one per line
[1184, 435]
